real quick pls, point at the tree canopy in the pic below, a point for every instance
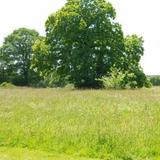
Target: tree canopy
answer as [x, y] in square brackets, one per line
[84, 44]
[16, 54]
[84, 40]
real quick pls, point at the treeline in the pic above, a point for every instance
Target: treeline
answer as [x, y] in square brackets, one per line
[84, 46]
[155, 80]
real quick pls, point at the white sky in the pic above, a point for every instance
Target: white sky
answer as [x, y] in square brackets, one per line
[136, 16]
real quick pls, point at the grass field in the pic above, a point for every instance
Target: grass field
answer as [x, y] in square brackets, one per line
[26, 154]
[61, 124]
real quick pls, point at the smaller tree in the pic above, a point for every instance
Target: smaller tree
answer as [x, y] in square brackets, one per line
[16, 54]
[42, 64]
[130, 73]
[133, 52]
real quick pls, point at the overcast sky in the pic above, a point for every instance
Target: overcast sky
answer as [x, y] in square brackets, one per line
[136, 16]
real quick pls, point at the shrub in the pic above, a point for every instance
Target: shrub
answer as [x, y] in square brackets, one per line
[119, 79]
[70, 86]
[55, 80]
[115, 80]
[7, 85]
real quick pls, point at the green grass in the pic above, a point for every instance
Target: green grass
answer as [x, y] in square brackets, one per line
[123, 125]
[25, 154]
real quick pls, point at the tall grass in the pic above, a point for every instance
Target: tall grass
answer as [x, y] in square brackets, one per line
[91, 123]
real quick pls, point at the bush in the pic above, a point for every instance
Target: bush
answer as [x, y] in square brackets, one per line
[70, 86]
[55, 80]
[119, 79]
[52, 80]
[7, 85]
[115, 80]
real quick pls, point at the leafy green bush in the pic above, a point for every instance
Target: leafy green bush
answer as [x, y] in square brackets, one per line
[119, 79]
[7, 85]
[52, 80]
[115, 80]
[70, 86]
[55, 80]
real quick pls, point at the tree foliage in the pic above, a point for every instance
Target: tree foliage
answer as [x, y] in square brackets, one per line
[84, 46]
[16, 55]
[84, 40]
[134, 51]
[40, 60]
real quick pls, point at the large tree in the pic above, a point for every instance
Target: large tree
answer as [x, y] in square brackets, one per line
[84, 41]
[16, 55]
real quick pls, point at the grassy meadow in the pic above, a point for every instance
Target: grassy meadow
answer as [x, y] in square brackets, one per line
[63, 124]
